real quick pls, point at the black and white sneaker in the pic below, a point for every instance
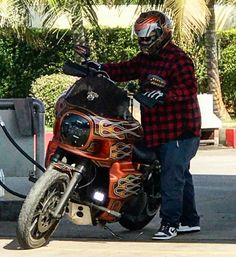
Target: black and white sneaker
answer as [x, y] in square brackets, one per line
[165, 232]
[187, 229]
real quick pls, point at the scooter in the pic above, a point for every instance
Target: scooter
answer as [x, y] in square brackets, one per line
[97, 169]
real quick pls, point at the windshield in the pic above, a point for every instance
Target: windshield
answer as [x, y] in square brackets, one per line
[100, 96]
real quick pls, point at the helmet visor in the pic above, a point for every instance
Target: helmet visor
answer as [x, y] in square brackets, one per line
[146, 31]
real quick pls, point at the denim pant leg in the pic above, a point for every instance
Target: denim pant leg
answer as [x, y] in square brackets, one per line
[189, 214]
[178, 201]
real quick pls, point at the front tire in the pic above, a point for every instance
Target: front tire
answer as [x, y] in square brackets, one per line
[36, 223]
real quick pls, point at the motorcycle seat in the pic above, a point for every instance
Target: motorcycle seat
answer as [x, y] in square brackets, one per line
[143, 154]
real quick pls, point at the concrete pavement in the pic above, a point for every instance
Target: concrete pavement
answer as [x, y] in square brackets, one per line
[213, 160]
[214, 171]
[122, 249]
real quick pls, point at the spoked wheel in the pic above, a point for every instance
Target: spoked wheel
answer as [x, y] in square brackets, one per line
[36, 223]
[142, 209]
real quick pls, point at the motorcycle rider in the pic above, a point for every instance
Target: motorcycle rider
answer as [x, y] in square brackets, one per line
[170, 116]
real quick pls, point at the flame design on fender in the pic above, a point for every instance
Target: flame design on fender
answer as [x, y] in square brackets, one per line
[127, 186]
[120, 151]
[116, 129]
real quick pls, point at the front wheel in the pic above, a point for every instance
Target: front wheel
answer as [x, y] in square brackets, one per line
[36, 223]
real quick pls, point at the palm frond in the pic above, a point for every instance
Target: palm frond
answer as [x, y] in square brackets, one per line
[190, 17]
[21, 15]
[151, 3]
[225, 16]
[10, 12]
[226, 2]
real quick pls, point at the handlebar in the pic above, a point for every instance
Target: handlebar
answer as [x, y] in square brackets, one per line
[78, 70]
[74, 69]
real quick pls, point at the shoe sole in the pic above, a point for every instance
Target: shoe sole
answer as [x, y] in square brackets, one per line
[163, 238]
[188, 230]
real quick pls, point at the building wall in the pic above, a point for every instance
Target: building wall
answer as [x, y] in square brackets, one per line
[123, 16]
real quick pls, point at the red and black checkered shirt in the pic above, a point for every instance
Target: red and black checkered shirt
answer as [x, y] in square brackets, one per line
[179, 116]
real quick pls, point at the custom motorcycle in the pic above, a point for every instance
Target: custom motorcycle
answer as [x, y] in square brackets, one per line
[97, 169]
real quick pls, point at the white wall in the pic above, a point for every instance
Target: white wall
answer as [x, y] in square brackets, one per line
[123, 16]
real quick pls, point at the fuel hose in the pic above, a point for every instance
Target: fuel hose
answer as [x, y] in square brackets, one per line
[2, 124]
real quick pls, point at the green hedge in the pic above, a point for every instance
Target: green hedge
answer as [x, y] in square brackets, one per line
[22, 63]
[112, 44]
[48, 88]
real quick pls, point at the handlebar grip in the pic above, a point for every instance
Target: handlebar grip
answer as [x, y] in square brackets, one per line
[74, 69]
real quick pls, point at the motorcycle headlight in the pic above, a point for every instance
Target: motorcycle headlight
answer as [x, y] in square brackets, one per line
[75, 130]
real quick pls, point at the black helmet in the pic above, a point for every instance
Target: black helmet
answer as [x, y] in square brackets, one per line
[154, 31]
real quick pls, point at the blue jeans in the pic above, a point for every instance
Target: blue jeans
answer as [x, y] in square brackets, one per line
[177, 189]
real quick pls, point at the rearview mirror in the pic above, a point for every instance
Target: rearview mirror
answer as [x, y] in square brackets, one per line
[82, 50]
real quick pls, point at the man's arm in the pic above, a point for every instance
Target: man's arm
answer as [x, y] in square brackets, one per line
[123, 71]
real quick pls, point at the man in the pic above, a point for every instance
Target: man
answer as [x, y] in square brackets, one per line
[170, 116]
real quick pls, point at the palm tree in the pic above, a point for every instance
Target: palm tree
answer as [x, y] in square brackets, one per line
[212, 65]
[17, 14]
[212, 60]
[19, 17]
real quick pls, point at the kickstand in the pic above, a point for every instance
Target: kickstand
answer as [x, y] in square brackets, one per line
[138, 235]
[112, 232]
[119, 237]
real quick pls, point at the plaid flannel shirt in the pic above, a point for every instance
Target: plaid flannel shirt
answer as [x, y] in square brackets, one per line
[179, 116]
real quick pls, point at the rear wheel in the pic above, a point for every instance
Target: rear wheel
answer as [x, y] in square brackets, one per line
[141, 210]
[140, 220]
[36, 223]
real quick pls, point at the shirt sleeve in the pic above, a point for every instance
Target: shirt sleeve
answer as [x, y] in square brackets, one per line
[123, 71]
[182, 80]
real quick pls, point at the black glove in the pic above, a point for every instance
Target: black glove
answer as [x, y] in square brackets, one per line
[150, 99]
